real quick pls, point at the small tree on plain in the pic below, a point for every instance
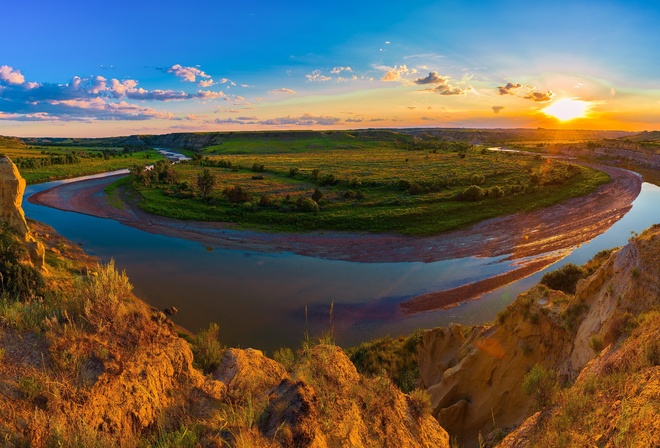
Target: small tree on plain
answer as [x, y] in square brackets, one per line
[205, 182]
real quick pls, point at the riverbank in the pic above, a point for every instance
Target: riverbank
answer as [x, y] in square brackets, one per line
[517, 236]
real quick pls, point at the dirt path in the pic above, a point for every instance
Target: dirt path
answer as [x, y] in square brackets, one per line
[561, 226]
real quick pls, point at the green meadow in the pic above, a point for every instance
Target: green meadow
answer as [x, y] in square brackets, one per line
[384, 183]
[46, 163]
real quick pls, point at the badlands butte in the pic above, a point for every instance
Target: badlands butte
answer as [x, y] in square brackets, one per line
[573, 362]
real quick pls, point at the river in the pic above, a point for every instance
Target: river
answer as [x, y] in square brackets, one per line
[269, 300]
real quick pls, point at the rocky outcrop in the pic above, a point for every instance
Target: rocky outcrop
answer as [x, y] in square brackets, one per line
[329, 404]
[475, 381]
[475, 376]
[12, 187]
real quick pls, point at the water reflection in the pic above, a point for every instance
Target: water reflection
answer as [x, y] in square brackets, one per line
[259, 299]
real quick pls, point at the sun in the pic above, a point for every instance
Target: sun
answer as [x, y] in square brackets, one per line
[568, 109]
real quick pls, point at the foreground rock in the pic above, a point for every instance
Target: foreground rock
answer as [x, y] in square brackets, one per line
[12, 187]
[607, 331]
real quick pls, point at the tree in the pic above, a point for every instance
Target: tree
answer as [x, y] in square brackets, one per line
[205, 182]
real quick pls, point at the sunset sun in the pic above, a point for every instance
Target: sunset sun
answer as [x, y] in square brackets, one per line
[567, 109]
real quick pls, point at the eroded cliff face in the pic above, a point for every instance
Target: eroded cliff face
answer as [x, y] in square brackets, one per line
[475, 375]
[12, 187]
[475, 379]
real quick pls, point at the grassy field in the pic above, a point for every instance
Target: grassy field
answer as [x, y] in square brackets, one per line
[45, 163]
[370, 186]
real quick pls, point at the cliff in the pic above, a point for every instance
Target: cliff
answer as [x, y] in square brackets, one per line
[609, 327]
[12, 187]
[83, 362]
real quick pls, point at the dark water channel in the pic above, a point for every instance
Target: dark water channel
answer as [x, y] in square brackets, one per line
[270, 300]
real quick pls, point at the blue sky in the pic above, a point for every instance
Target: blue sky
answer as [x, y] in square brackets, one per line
[80, 68]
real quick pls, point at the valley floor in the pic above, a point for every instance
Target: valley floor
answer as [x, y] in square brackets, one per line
[516, 236]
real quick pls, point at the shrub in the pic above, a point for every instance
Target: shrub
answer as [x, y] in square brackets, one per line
[237, 194]
[329, 179]
[359, 195]
[350, 194]
[420, 403]
[416, 188]
[307, 205]
[496, 192]
[564, 279]
[18, 279]
[258, 177]
[596, 344]
[205, 182]
[207, 349]
[285, 357]
[478, 179]
[354, 182]
[317, 195]
[472, 193]
[315, 173]
[293, 171]
[104, 294]
[267, 200]
[540, 384]
[258, 167]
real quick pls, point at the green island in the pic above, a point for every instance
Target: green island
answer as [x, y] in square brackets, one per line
[338, 180]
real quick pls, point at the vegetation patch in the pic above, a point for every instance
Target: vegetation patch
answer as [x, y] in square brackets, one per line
[395, 184]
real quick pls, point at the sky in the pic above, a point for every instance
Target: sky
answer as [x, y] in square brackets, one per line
[73, 68]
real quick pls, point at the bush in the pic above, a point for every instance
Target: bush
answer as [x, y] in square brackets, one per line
[267, 200]
[478, 179]
[317, 195]
[329, 179]
[564, 279]
[307, 205]
[18, 279]
[258, 167]
[285, 357]
[350, 194]
[104, 295]
[293, 171]
[416, 188]
[496, 192]
[472, 193]
[540, 384]
[237, 194]
[420, 403]
[207, 349]
[354, 182]
[596, 344]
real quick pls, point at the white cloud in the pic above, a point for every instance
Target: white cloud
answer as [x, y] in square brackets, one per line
[338, 70]
[11, 76]
[283, 90]
[395, 73]
[317, 76]
[189, 74]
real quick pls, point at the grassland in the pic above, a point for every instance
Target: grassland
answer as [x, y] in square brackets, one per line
[396, 184]
[47, 163]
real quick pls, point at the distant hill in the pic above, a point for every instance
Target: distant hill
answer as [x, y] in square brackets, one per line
[11, 142]
[199, 140]
[646, 136]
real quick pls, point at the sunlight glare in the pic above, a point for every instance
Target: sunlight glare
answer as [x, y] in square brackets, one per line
[567, 109]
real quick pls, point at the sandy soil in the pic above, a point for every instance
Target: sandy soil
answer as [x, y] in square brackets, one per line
[570, 223]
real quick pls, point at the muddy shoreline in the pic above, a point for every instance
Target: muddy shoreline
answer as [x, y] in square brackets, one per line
[555, 228]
